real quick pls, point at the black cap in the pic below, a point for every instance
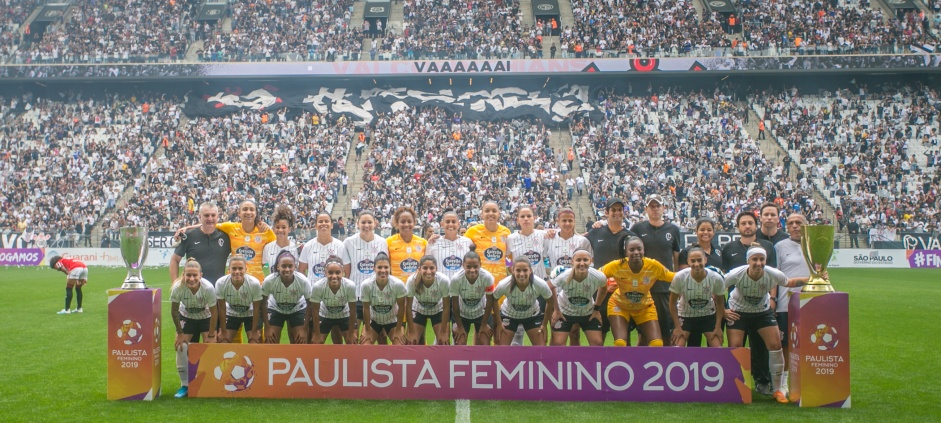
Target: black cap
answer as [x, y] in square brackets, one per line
[612, 201]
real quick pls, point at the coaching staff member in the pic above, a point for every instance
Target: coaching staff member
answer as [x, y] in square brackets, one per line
[661, 243]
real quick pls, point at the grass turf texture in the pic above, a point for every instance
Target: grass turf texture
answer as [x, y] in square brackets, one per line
[56, 365]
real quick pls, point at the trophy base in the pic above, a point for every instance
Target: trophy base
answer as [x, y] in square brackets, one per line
[134, 285]
[818, 285]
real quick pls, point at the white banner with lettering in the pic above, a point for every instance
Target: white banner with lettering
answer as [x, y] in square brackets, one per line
[866, 258]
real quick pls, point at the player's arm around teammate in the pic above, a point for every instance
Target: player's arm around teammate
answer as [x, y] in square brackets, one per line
[333, 304]
[635, 276]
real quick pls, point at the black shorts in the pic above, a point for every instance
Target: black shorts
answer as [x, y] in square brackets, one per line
[528, 323]
[379, 328]
[702, 324]
[359, 311]
[466, 323]
[782, 324]
[293, 320]
[194, 326]
[327, 325]
[234, 323]
[422, 319]
[754, 321]
[586, 323]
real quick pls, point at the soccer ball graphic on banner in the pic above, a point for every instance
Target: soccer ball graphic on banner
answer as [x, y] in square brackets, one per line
[130, 332]
[157, 331]
[236, 372]
[824, 337]
[793, 335]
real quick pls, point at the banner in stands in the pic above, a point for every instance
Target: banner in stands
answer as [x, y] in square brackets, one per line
[363, 105]
[345, 69]
[52, 12]
[212, 11]
[897, 5]
[722, 6]
[377, 9]
[920, 241]
[467, 372]
[547, 8]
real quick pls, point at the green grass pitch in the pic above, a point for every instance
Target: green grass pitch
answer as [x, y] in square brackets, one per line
[55, 366]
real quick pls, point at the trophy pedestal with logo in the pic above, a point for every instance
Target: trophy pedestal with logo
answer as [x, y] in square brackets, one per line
[134, 320]
[819, 341]
[134, 356]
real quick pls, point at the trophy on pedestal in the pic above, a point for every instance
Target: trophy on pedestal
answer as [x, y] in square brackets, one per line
[817, 248]
[134, 252]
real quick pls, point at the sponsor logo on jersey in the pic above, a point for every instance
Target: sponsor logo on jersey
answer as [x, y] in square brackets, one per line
[382, 308]
[698, 303]
[578, 301]
[635, 297]
[452, 262]
[320, 270]
[409, 265]
[366, 266]
[246, 251]
[533, 257]
[493, 254]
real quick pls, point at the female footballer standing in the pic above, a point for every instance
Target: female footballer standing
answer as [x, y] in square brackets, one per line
[580, 292]
[316, 251]
[359, 255]
[705, 234]
[286, 293]
[193, 309]
[528, 243]
[283, 221]
[521, 307]
[752, 308]
[697, 301]
[471, 299]
[428, 299]
[333, 304]
[248, 237]
[239, 302]
[449, 248]
[405, 248]
[383, 305]
[635, 275]
[490, 238]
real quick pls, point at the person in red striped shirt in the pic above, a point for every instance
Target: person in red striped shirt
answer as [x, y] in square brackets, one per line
[77, 278]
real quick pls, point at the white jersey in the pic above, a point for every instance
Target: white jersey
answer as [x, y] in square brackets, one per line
[194, 306]
[361, 256]
[532, 247]
[577, 298]
[286, 299]
[696, 298]
[560, 250]
[431, 298]
[270, 253]
[792, 262]
[450, 254]
[751, 296]
[521, 304]
[472, 296]
[238, 301]
[334, 305]
[383, 302]
[315, 255]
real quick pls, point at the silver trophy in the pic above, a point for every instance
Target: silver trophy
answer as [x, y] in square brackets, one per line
[134, 252]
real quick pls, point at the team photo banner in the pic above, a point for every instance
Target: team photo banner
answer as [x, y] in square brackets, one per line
[638, 374]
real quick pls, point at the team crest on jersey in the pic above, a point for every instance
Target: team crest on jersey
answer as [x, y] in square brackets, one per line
[646, 280]
[221, 242]
[418, 248]
[669, 236]
[257, 238]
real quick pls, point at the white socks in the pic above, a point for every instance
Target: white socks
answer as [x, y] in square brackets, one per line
[182, 365]
[776, 359]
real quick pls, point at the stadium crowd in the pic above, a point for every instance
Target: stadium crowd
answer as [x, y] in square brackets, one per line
[12, 16]
[433, 161]
[691, 148]
[876, 154]
[472, 29]
[263, 30]
[829, 27]
[274, 159]
[649, 28]
[112, 31]
[67, 159]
